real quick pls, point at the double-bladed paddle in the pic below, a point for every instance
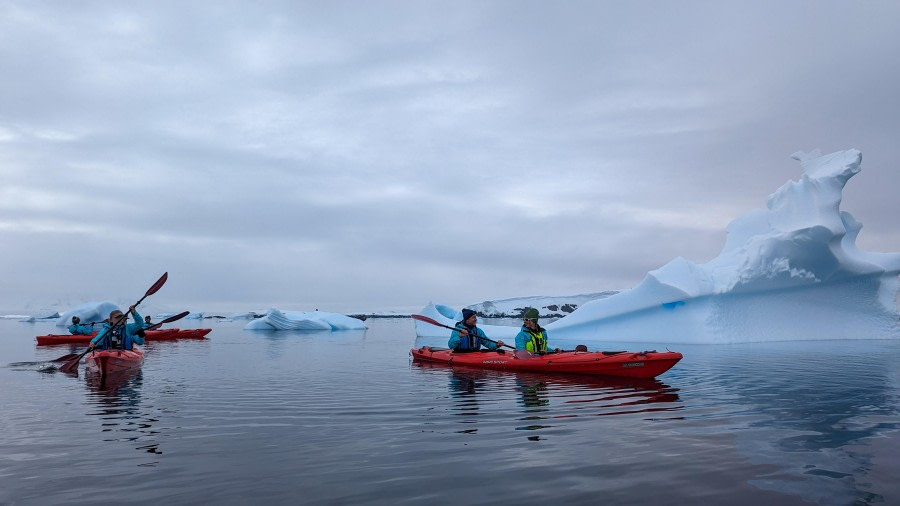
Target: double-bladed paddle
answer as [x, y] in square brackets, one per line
[72, 366]
[439, 324]
[520, 354]
[524, 354]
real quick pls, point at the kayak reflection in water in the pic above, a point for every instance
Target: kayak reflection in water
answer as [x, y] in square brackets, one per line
[532, 337]
[468, 337]
[534, 393]
[76, 328]
[117, 336]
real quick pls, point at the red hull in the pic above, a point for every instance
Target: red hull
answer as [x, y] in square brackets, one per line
[112, 362]
[150, 335]
[648, 364]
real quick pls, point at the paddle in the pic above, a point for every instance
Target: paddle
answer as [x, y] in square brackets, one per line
[167, 320]
[72, 366]
[439, 324]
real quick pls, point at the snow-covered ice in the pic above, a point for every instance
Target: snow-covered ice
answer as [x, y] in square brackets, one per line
[308, 320]
[88, 312]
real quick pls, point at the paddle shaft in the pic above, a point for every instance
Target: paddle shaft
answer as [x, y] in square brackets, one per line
[439, 324]
[73, 364]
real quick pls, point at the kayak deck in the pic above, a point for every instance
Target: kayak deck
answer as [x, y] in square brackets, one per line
[111, 362]
[150, 335]
[645, 364]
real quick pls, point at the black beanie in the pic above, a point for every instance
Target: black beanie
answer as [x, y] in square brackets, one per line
[467, 313]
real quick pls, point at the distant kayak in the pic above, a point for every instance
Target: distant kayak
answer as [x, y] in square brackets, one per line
[645, 364]
[113, 362]
[150, 335]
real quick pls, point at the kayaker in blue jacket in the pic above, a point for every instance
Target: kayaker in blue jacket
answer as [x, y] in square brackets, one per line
[468, 337]
[119, 335]
[76, 328]
[532, 337]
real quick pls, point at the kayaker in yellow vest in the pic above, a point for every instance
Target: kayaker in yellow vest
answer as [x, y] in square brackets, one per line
[532, 337]
[76, 328]
[468, 337]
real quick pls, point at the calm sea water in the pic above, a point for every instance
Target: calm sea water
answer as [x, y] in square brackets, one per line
[345, 418]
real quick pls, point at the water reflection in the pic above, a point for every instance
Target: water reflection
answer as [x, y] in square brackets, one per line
[463, 390]
[547, 401]
[117, 399]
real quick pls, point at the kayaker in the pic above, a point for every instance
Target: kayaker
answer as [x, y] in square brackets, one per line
[117, 334]
[76, 328]
[468, 337]
[532, 337]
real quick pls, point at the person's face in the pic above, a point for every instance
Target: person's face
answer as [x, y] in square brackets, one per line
[115, 315]
[471, 320]
[530, 323]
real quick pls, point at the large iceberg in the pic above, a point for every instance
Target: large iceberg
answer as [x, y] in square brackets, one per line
[89, 312]
[791, 271]
[309, 320]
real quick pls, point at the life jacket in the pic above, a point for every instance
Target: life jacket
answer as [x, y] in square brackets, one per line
[537, 340]
[79, 329]
[115, 338]
[469, 342]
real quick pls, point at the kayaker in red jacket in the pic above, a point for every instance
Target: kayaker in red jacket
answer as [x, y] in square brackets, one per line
[468, 337]
[532, 337]
[76, 328]
[117, 334]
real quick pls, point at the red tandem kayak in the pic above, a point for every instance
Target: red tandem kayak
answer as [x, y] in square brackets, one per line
[112, 362]
[645, 364]
[150, 335]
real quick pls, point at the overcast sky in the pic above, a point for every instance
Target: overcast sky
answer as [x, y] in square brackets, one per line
[373, 156]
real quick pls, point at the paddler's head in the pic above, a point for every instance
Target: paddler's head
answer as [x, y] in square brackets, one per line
[530, 317]
[470, 318]
[114, 316]
[75, 320]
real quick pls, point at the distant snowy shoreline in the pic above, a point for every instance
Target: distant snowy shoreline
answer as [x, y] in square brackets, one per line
[547, 306]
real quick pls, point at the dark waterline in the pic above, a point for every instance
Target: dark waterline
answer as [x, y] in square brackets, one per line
[345, 418]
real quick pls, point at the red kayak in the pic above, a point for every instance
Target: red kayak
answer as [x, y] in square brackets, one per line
[113, 362]
[645, 364]
[150, 335]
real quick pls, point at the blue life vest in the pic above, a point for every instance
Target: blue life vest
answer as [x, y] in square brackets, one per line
[469, 342]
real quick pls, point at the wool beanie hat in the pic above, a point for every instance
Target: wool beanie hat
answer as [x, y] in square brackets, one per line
[467, 313]
[531, 314]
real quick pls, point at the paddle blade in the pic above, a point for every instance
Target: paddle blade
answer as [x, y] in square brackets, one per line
[156, 286]
[429, 320]
[71, 367]
[168, 320]
[65, 358]
[425, 319]
[176, 317]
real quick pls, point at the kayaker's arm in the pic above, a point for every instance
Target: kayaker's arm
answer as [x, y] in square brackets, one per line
[100, 336]
[488, 342]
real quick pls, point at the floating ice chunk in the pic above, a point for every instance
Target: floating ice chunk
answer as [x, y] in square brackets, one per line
[310, 320]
